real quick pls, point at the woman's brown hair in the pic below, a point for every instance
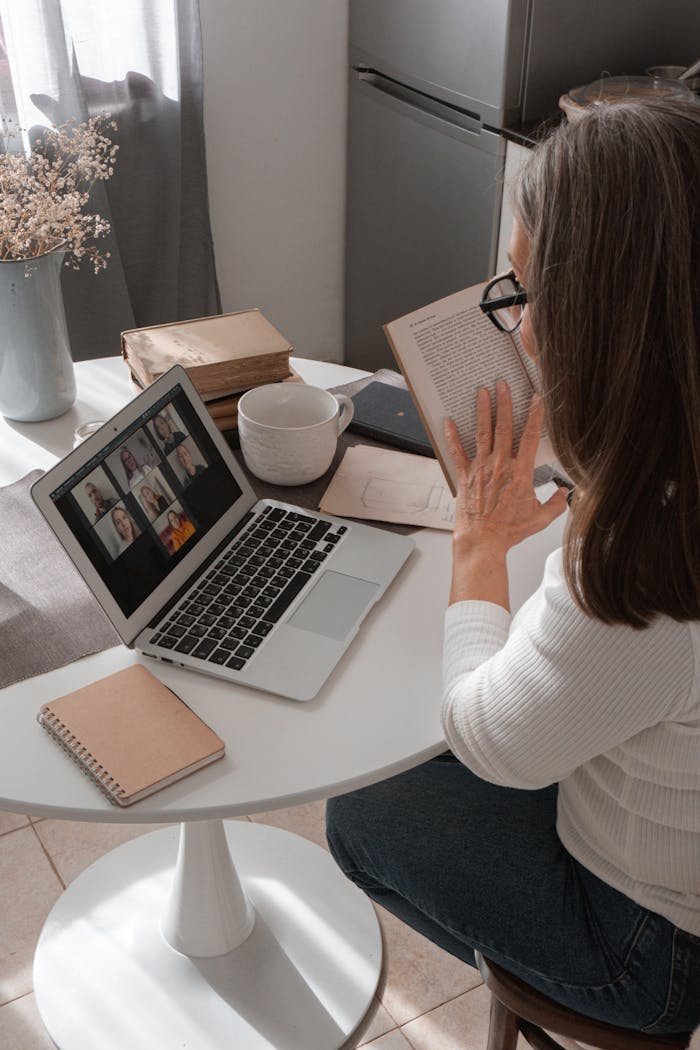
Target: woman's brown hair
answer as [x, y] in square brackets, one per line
[611, 204]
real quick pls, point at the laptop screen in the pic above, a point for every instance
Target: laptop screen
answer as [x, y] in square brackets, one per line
[147, 498]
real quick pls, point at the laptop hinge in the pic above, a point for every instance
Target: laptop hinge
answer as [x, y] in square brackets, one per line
[200, 570]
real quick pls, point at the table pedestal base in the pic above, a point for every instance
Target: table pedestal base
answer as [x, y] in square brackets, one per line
[105, 976]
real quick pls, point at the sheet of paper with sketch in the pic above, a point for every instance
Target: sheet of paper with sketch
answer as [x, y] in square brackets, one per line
[385, 485]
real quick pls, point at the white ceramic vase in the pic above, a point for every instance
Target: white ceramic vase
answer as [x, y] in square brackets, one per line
[37, 380]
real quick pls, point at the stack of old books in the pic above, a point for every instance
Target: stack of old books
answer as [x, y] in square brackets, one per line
[224, 356]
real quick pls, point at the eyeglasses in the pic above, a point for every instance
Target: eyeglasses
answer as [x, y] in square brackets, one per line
[503, 301]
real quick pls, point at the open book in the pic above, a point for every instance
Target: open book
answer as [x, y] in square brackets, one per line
[446, 351]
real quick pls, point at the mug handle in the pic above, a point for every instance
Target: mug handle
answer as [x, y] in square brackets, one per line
[347, 411]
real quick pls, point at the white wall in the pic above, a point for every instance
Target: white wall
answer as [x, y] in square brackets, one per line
[275, 85]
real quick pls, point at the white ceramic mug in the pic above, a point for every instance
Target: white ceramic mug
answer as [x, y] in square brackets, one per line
[289, 431]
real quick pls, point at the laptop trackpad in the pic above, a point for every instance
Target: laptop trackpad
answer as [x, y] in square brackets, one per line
[334, 605]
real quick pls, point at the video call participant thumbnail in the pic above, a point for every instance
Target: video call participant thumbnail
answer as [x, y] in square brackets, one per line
[190, 468]
[125, 527]
[101, 503]
[169, 436]
[179, 530]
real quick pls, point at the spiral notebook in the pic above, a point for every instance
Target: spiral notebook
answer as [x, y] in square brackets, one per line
[130, 734]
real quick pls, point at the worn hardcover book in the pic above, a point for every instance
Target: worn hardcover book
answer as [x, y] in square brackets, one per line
[224, 410]
[446, 351]
[130, 734]
[223, 355]
[214, 397]
[226, 423]
[388, 414]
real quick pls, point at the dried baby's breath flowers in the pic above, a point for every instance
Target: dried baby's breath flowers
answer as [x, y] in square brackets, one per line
[44, 195]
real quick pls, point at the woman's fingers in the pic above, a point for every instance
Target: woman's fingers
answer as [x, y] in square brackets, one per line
[484, 436]
[530, 440]
[498, 440]
[553, 507]
[503, 432]
[454, 445]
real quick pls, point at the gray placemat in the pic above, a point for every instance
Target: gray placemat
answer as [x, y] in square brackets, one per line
[48, 617]
[547, 472]
[309, 496]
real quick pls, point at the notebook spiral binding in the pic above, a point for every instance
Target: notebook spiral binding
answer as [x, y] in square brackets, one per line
[85, 762]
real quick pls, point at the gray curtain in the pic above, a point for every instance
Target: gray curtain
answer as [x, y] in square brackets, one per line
[161, 267]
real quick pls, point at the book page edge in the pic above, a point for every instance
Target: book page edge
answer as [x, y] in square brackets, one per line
[446, 467]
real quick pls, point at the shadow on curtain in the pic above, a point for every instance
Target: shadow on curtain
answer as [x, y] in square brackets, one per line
[161, 267]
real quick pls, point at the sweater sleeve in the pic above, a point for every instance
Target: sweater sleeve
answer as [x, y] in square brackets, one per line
[524, 708]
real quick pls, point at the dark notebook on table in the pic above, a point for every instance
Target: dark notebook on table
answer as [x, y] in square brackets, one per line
[388, 414]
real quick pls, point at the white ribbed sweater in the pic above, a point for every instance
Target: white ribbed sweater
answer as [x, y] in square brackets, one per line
[610, 713]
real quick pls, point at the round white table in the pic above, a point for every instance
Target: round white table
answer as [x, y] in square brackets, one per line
[164, 942]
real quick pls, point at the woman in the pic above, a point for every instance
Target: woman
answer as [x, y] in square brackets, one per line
[167, 433]
[561, 835]
[188, 465]
[126, 528]
[132, 468]
[153, 503]
[181, 528]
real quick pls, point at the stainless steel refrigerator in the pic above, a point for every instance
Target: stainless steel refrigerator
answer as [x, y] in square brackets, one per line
[432, 85]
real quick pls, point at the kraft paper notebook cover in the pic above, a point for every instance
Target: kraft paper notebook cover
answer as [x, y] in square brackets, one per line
[130, 734]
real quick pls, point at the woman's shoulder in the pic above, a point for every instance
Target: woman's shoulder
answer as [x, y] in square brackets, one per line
[666, 651]
[554, 592]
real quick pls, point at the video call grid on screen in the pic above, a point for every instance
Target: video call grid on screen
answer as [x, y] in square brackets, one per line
[147, 498]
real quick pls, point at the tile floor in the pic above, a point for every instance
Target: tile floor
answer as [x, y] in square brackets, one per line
[426, 1000]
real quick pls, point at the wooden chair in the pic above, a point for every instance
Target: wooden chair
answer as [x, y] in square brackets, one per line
[515, 1007]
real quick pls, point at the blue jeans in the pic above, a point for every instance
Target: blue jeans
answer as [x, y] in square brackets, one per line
[472, 865]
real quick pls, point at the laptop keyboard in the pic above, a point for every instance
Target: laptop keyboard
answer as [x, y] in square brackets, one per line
[227, 617]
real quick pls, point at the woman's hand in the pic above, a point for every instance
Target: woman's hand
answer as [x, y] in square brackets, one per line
[496, 506]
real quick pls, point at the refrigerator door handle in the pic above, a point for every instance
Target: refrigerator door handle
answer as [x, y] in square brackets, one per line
[419, 101]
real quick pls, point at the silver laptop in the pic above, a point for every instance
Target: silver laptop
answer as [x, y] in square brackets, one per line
[193, 569]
